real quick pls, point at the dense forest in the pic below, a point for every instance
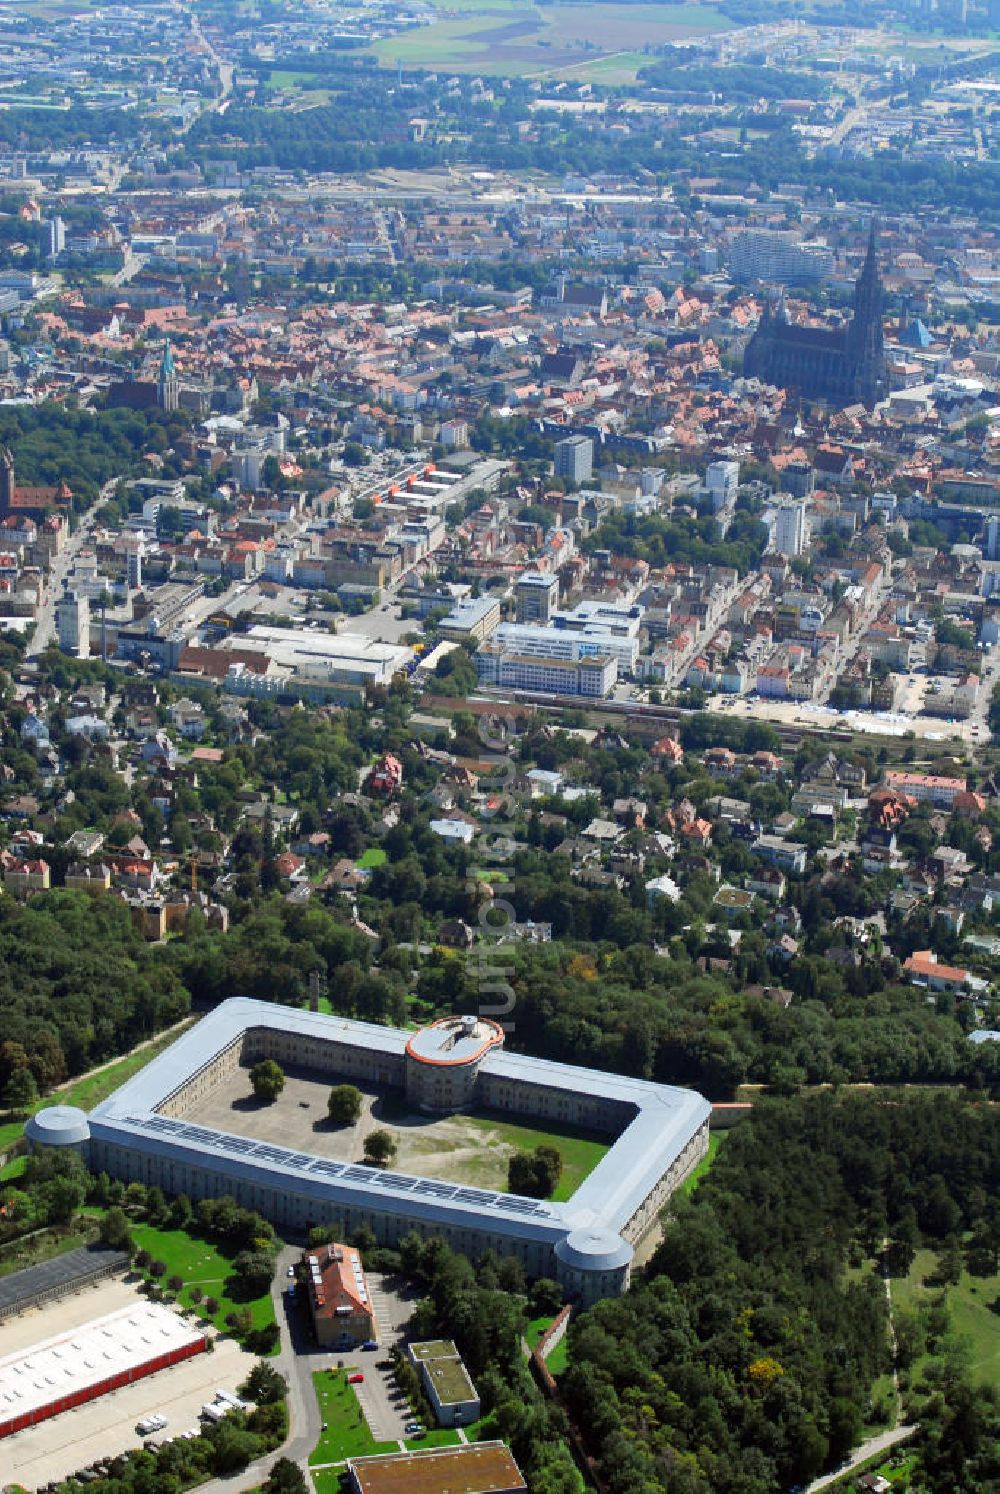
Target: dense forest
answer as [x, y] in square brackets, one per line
[743, 1361]
[78, 985]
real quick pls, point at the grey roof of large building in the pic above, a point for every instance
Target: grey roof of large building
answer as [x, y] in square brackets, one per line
[665, 1120]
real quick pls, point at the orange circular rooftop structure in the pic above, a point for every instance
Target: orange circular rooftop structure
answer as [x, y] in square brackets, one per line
[442, 1060]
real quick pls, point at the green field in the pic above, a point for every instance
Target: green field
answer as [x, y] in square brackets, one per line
[534, 1331]
[557, 1361]
[715, 1140]
[969, 1307]
[518, 38]
[199, 1264]
[32, 1250]
[374, 856]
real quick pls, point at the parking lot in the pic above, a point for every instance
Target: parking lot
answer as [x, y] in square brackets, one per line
[105, 1427]
[385, 1408]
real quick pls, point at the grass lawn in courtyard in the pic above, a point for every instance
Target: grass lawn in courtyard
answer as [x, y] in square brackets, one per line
[199, 1263]
[579, 1150]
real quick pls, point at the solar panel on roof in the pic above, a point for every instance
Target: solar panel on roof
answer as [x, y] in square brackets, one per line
[334, 1169]
[273, 1154]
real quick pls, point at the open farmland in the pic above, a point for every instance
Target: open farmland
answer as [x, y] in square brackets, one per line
[519, 40]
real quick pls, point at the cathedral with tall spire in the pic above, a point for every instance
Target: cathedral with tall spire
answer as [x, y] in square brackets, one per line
[845, 365]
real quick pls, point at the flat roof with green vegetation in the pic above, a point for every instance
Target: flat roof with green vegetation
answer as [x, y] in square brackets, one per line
[451, 1381]
[433, 1348]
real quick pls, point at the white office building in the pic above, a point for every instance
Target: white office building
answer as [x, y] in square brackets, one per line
[757, 254]
[569, 643]
[722, 479]
[593, 677]
[790, 529]
[73, 624]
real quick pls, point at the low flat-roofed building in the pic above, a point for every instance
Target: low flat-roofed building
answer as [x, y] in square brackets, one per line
[476, 1468]
[339, 1299]
[447, 1382]
[346, 657]
[91, 1360]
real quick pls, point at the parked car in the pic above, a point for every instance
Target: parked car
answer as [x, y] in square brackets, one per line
[412, 1428]
[370, 1343]
[355, 1379]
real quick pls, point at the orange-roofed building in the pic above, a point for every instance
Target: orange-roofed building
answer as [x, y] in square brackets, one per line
[924, 969]
[339, 1298]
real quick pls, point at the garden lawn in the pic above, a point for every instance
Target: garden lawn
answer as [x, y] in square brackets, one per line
[374, 856]
[199, 1264]
[347, 1432]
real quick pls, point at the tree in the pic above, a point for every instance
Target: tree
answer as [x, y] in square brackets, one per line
[114, 1230]
[264, 1385]
[267, 1079]
[285, 1478]
[211, 1306]
[546, 1297]
[534, 1174]
[21, 1090]
[344, 1104]
[255, 1270]
[380, 1148]
[157, 1268]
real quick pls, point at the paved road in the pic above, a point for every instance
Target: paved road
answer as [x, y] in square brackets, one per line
[869, 1449]
[296, 1362]
[61, 567]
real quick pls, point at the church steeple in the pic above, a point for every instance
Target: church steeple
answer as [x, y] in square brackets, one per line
[167, 393]
[865, 336]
